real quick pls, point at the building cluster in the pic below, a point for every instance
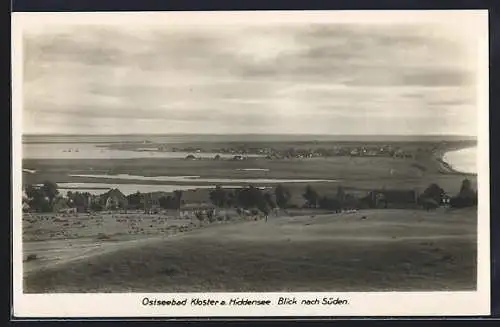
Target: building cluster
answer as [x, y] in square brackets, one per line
[298, 153]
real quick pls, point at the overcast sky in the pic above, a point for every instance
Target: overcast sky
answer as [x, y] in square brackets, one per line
[307, 79]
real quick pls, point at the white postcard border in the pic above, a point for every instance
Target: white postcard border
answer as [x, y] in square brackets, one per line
[359, 303]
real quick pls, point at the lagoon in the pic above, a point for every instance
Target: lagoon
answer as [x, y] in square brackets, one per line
[195, 179]
[92, 151]
[100, 188]
[127, 188]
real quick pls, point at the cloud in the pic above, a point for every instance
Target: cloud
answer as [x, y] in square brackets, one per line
[298, 78]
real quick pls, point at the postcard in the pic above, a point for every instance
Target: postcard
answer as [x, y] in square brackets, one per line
[243, 164]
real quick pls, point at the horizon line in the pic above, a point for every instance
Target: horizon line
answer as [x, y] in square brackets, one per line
[222, 134]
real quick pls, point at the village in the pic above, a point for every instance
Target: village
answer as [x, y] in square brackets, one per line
[78, 226]
[306, 150]
[242, 152]
[248, 200]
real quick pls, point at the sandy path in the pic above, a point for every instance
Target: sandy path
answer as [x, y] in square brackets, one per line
[57, 252]
[62, 251]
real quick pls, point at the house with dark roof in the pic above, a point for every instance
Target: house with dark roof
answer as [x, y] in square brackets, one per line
[393, 198]
[151, 202]
[114, 199]
[60, 204]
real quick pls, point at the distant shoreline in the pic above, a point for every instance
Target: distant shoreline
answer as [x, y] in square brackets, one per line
[244, 134]
[440, 155]
[231, 138]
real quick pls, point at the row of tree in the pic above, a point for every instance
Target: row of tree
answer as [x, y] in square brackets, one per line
[171, 202]
[254, 198]
[41, 198]
[247, 198]
[434, 196]
[44, 198]
[251, 197]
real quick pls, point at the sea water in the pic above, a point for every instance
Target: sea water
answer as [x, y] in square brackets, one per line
[464, 160]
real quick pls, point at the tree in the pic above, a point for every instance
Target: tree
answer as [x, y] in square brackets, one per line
[329, 203]
[282, 196]
[96, 206]
[135, 200]
[340, 194]
[433, 192]
[250, 197]
[78, 200]
[466, 190]
[49, 189]
[30, 191]
[430, 204]
[467, 197]
[231, 199]
[36, 199]
[42, 198]
[350, 202]
[218, 197]
[165, 202]
[269, 200]
[178, 199]
[367, 202]
[311, 197]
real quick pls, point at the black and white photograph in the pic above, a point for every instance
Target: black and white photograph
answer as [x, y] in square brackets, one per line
[203, 163]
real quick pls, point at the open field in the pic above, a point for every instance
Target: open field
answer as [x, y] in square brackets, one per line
[56, 238]
[356, 173]
[384, 251]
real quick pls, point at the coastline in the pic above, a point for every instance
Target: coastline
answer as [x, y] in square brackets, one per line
[348, 171]
[446, 167]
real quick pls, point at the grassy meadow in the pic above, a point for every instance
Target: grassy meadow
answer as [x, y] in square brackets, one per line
[372, 250]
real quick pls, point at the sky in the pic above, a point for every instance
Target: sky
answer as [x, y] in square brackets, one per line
[277, 78]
